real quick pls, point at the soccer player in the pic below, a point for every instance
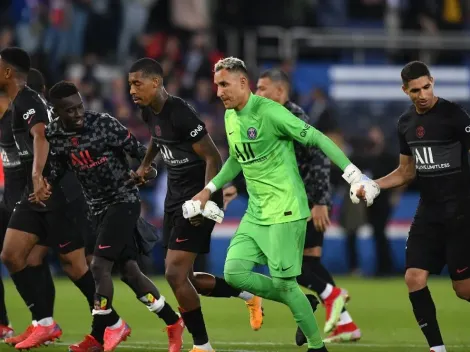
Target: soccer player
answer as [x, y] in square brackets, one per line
[192, 160]
[434, 136]
[57, 220]
[272, 232]
[14, 185]
[314, 168]
[94, 147]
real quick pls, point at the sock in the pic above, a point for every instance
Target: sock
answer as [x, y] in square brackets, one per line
[321, 349]
[46, 321]
[439, 348]
[31, 288]
[205, 347]
[246, 296]
[308, 278]
[318, 269]
[344, 318]
[160, 307]
[49, 286]
[86, 285]
[223, 289]
[194, 321]
[326, 292]
[3, 308]
[425, 313]
[103, 316]
[238, 273]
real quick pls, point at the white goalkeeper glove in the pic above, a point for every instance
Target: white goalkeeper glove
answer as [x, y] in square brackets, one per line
[357, 179]
[211, 211]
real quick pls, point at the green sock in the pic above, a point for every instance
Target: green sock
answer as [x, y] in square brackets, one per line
[238, 273]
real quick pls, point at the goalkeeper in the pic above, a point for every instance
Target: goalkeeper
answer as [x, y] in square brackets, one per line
[272, 232]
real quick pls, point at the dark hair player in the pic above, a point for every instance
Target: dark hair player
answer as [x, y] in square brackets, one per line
[192, 160]
[57, 220]
[94, 146]
[434, 136]
[14, 185]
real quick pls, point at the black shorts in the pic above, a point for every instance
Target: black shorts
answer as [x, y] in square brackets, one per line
[115, 230]
[313, 237]
[61, 229]
[180, 235]
[435, 241]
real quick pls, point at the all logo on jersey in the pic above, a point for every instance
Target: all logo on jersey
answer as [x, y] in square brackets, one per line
[252, 133]
[420, 131]
[158, 131]
[74, 141]
[430, 159]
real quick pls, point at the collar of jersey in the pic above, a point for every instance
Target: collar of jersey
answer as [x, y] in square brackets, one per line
[247, 108]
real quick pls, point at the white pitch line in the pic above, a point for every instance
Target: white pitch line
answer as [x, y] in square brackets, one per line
[147, 344]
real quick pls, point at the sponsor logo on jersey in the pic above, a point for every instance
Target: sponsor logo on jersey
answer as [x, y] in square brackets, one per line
[425, 160]
[420, 131]
[196, 131]
[303, 133]
[252, 133]
[467, 129]
[28, 114]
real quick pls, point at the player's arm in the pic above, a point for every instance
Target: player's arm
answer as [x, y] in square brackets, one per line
[39, 117]
[401, 176]
[461, 121]
[207, 151]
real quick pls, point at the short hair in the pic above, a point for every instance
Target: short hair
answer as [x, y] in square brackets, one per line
[414, 70]
[276, 75]
[36, 80]
[62, 89]
[147, 66]
[232, 64]
[18, 58]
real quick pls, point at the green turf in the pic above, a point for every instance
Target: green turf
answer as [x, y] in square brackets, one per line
[380, 307]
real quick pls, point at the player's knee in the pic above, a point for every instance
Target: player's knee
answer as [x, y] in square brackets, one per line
[284, 284]
[13, 260]
[174, 276]
[462, 289]
[74, 264]
[235, 274]
[416, 279]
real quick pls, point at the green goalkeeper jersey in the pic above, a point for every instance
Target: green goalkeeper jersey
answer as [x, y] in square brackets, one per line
[260, 138]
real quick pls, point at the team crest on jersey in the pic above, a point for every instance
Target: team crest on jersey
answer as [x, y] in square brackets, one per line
[252, 133]
[74, 141]
[158, 131]
[420, 131]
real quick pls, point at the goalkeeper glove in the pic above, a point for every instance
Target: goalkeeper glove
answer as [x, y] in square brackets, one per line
[357, 179]
[211, 211]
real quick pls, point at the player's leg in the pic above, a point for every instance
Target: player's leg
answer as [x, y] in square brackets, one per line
[283, 255]
[147, 293]
[211, 286]
[25, 228]
[115, 228]
[425, 254]
[458, 260]
[37, 258]
[317, 278]
[6, 330]
[184, 242]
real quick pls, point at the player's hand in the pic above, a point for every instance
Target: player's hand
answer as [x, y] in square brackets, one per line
[203, 197]
[320, 217]
[42, 190]
[230, 193]
[142, 175]
[365, 191]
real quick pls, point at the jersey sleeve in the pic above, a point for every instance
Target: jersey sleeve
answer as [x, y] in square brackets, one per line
[119, 136]
[461, 121]
[404, 147]
[285, 124]
[34, 110]
[191, 126]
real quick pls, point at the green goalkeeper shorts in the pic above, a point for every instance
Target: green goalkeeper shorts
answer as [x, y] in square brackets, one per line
[280, 246]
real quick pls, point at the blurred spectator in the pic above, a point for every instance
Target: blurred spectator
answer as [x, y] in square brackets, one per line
[80, 13]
